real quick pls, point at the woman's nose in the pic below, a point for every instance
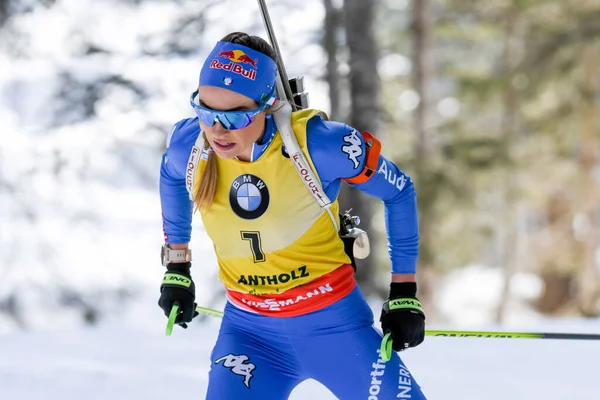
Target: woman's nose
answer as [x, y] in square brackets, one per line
[219, 127]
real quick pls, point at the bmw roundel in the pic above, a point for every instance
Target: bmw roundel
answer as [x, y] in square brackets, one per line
[248, 196]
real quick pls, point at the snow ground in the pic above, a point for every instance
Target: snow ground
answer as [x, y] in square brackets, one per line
[137, 361]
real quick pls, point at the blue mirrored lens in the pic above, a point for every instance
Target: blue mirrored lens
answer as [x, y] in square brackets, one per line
[235, 121]
[231, 120]
[205, 116]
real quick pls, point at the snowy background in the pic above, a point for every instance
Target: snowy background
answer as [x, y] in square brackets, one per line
[88, 91]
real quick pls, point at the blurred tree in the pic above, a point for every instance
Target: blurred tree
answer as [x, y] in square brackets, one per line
[506, 225]
[12, 7]
[589, 294]
[518, 68]
[425, 171]
[364, 113]
[563, 65]
[91, 114]
[4, 11]
[499, 179]
[330, 43]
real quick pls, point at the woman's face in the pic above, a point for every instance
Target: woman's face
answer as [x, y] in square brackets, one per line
[236, 143]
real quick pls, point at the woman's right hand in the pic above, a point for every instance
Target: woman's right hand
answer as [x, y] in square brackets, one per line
[178, 287]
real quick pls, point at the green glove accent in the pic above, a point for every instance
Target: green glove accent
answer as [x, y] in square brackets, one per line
[405, 303]
[176, 279]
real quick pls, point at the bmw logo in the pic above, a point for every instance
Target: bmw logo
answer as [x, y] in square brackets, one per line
[248, 196]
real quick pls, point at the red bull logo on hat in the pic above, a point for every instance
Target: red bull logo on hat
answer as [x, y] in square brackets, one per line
[237, 60]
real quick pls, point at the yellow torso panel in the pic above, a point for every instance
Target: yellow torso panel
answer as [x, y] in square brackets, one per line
[269, 233]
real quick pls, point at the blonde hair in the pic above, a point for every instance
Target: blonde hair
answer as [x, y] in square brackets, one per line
[207, 184]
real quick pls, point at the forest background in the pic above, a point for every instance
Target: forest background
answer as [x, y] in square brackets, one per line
[491, 107]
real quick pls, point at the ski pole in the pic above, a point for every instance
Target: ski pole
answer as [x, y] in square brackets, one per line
[386, 343]
[175, 311]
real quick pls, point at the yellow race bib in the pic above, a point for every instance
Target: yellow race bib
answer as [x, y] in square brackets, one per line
[269, 233]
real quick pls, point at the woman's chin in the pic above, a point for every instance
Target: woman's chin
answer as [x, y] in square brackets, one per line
[225, 155]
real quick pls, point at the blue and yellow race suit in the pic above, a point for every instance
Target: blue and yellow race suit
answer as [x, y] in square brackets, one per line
[280, 256]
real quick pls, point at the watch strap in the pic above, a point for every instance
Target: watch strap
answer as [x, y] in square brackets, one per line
[172, 255]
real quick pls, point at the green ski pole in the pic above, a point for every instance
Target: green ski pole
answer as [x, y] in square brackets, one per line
[386, 343]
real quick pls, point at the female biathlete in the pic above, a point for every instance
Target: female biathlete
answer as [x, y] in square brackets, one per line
[293, 308]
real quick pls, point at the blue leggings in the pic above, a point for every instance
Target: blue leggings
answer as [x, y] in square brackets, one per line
[258, 357]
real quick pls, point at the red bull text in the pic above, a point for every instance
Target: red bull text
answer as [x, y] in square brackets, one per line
[236, 63]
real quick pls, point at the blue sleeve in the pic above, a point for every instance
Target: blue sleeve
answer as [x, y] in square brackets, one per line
[175, 202]
[338, 152]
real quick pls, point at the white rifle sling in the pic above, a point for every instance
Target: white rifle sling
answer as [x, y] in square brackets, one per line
[283, 116]
[198, 153]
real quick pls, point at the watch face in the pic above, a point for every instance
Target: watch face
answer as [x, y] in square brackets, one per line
[162, 254]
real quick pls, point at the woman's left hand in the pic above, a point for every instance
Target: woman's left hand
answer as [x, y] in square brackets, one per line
[402, 315]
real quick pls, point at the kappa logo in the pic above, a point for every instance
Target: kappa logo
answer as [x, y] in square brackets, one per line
[353, 149]
[238, 365]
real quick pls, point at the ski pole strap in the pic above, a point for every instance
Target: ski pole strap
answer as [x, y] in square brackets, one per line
[386, 347]
[172, 317]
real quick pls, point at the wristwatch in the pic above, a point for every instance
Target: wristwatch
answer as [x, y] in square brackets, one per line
[169, 255]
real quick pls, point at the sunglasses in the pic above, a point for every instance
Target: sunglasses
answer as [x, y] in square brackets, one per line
[231, 120]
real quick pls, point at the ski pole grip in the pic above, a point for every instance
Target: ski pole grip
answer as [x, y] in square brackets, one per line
[386, 347]
[172, 317]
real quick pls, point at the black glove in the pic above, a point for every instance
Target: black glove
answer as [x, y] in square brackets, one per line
[403, 316]
[178, 287]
